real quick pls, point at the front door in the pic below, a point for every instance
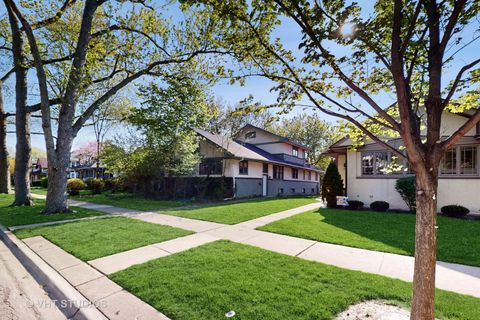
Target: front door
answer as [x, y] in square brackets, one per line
[264, 185]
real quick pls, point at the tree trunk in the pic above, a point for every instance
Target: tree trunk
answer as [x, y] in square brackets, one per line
[423, 304]
[57, 179]
[22, 119]
[4, 173]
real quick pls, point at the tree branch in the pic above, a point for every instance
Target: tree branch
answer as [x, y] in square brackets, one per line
[457, 80]
[463, 130]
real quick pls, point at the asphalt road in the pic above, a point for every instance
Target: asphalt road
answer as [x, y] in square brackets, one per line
[21, 297]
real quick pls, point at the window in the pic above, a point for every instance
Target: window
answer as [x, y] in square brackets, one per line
[449, 162]
[468, 160]
[210, 166]
[250, 135]
[265, 168]
[316, 176]
[292, 190]
[294, 173]
[280, 190]
[295, 151]
[382, 163]
[243, 167]
[278, 172]
[309, 175]
[461, 160]
[304, 174]
[313, 190]
[303, 190]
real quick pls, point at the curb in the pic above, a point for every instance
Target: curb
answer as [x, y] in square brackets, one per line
[68, 300]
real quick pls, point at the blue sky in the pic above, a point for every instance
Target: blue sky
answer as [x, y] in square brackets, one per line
[259, 88]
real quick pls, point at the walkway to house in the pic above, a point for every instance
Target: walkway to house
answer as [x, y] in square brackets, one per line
[452, 277]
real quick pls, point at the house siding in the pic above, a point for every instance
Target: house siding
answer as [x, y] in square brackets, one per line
[451, 190]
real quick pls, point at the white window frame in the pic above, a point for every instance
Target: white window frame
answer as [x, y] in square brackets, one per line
[458, 162]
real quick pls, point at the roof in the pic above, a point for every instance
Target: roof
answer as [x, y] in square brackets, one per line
[248, 151]
[281, 138]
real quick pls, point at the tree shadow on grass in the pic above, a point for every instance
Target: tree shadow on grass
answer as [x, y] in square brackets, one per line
[392, 232]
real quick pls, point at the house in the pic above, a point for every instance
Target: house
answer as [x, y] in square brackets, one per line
[261, 163]
[39, 170]
[365, 179]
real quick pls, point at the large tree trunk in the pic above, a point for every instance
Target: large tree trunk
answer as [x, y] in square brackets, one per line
[4, 173]
[22, 119]
[57, 179]
[423, 304]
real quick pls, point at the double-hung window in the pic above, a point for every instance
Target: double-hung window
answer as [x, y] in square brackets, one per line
[243, 167]
[294, 173]
[278, 172]
[460, 160]
[295, 151]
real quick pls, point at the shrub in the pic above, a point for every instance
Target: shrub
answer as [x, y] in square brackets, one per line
[113, 185]
[381, 206]
[96, 185]
[355, 205]
[74, 186]
[407, 190]
[44, 182]
[332, 185]
[455, 211]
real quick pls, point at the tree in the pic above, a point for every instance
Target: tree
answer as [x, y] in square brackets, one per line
[227, 120]
[348, 60]
[4, 163]
[168, 143]
[332, 185]
[103, 120]
[312, 132]
[143, 44]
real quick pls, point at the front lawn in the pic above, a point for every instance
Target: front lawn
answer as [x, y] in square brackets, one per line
[16, 216]
[208, 281]
[127, 200]
[93, 239]
[458, 240]
[237, 212]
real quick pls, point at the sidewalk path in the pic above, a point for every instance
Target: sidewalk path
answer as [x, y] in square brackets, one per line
[452, 277]
[21, 297]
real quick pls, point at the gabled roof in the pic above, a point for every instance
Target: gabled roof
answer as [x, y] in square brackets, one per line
[237, 149]
[232, 147]
[280, 138]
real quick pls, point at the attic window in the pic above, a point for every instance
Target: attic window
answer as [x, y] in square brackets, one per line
[250, 135]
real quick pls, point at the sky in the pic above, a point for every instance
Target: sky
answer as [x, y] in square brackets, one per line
[259, 88]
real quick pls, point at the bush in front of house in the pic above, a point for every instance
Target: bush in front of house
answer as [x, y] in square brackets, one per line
[332, 186]
[95, 185]
[407, 190]
[381, 206]
[454, 210]
[355, 205]
[113, 184]
[44, 182]
[74, 186]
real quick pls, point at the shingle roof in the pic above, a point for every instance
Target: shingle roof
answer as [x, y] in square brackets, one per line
[247, 151]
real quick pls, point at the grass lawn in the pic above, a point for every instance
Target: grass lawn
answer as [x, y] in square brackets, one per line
[128, 201]
[208, 281]
[93, 239]
[16, 216]
[39, 190]
[233, 213]
[458, 240]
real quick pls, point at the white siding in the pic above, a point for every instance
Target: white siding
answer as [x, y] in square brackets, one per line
[465, 192]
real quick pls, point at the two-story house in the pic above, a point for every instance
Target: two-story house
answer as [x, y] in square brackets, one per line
[367, 177]
[261, 163]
